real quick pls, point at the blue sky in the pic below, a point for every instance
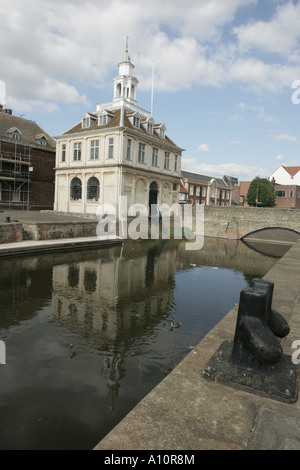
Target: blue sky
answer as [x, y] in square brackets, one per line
[224, 71]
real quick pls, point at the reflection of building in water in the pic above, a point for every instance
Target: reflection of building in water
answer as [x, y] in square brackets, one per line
[116, 299]
[114, 294]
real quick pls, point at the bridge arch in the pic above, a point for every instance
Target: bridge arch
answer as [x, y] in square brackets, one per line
[281, 234]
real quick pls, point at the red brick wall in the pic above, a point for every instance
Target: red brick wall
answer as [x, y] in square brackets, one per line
[41, 194]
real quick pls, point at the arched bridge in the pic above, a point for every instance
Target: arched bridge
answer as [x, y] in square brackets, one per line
[259, 223]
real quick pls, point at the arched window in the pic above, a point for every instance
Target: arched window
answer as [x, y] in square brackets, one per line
[93, 189]
[76, 189]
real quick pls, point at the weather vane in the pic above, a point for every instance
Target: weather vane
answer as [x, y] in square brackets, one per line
[126, 39]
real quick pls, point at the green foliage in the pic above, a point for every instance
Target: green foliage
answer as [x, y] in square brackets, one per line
[263, 190]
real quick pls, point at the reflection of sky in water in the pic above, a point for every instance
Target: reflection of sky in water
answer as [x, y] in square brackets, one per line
[71, 323]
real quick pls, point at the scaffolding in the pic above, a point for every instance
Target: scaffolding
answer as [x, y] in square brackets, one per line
[15, 170]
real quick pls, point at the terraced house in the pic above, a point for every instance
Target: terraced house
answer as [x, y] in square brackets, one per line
[118, 150]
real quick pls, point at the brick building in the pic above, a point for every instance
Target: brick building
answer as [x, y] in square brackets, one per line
[206, 189]
[27, 160]
[287, 195]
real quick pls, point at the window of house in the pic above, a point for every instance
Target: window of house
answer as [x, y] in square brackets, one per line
[162, 132]
[191, 190]
[15, 135]
[227, 195]
[197, 190]
[77, 151]
[86, 122]
[63, 152]
[167, 161]
[111, 147]
[103, 119]
[280, 193]
[150, 127]
[94, 149]
[75, 189]
[176, 163]
[141, 157]
[298, 194]
[154, 157]
[136, 121]
[291, 193]
[93, 189]
[204, 191]
[175, 186]
[128, 154]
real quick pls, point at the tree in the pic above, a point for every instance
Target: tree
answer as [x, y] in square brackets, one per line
[261, 193]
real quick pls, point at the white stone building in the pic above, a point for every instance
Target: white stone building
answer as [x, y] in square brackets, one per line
[117, 150]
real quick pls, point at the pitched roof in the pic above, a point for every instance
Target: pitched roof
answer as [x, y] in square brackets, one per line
[201, 178]
[30, 132]
[183, 188]
[115, 122]
[292, 170]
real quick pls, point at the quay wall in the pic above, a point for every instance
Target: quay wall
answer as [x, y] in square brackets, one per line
[232, 223]
[10, 233]
[55, 231]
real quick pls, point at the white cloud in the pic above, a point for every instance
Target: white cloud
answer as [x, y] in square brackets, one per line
[258, 111]
[286, 137]
[203, 148]
[51, 53]
[279, 158]
[243, 172]
[280, 35]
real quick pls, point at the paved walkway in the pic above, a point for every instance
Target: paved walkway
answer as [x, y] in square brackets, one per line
[187, 411]
[40, 217]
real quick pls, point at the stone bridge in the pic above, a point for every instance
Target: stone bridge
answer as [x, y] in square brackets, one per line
[256, 223]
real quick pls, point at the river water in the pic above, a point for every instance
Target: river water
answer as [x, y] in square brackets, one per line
[88, 334]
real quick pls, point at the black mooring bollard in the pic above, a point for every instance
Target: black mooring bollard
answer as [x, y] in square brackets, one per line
[254, 361]
[275, 321]
[253, 340]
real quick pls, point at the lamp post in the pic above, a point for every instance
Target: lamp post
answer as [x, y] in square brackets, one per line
[257, 178]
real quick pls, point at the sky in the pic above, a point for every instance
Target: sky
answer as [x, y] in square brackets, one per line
[226, 79]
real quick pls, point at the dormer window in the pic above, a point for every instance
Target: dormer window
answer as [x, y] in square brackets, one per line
[135, 120]
[14, 133]
[87, 120]
[149, 126]
[104, 118]
[161, 130]
[41, 139]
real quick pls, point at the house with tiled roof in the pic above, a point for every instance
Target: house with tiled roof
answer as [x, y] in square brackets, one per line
[286, 181]
[286, 175]
[27, 161]
[206, 190]
[116, 150]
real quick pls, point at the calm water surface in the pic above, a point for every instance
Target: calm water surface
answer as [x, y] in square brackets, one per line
[88, 334]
